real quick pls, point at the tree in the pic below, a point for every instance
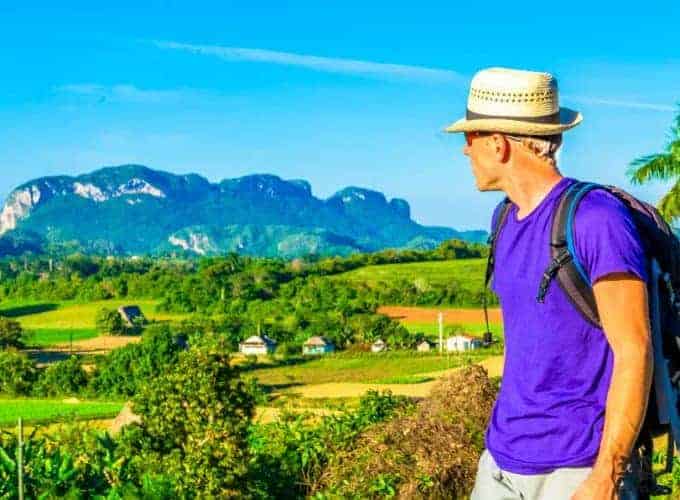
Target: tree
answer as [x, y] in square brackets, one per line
[17, 373]
[664, 167]
[10, 333]
[195, 421]
[109, 321]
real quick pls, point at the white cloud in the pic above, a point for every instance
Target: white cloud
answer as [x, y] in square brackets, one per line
[121, 93]
[325, 64]
[620, 103]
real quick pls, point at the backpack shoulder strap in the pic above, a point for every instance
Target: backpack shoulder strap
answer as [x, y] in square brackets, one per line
[500, 214]
[565, 266]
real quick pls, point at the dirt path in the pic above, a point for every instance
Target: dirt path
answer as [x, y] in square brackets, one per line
[426, 314]
[97, 345]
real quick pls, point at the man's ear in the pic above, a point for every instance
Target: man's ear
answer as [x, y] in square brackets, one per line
[501, 147]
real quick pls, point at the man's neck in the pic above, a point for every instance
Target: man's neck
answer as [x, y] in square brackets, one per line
[527, 193]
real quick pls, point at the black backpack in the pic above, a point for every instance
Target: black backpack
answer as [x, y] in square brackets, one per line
[662, 248]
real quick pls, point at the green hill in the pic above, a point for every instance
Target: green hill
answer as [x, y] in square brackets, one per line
[468, 273]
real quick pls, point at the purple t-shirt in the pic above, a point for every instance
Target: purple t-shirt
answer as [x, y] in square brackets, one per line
[551, 405]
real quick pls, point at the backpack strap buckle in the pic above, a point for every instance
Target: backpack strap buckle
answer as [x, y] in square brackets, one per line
[551, 271]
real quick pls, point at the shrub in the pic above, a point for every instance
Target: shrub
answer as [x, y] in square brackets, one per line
[124, 370]
[290, 454]
[195, 419]
[10, 333]
[63, 378]
[17, 373]
[109, 322]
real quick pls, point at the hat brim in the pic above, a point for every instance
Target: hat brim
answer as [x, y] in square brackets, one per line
[568, 119]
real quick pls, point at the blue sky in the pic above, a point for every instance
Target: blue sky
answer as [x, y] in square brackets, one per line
[338, 93]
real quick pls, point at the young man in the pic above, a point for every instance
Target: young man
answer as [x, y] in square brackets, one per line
[573, 395]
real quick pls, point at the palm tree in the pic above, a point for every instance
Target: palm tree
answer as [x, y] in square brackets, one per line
[665, 167]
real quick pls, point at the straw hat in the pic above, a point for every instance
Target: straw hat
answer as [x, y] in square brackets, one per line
[515, 102]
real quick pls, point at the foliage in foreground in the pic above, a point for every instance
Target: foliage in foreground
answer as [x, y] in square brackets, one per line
[432, 453]
[289, 456]
[195, 420]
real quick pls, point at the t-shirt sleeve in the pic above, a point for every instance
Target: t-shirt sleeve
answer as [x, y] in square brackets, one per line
[606, 238]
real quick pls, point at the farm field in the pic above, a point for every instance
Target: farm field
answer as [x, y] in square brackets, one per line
[468, 272]
[363, 368]
[52, 410]
[53, 323]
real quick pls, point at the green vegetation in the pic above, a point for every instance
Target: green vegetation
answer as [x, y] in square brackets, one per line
[197, 436]
[469, 272]
[54, 410]
[662, 167]
[10, 333]
[109, 322]
[46, 337]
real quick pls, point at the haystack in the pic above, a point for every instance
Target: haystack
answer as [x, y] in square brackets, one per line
[432, 453]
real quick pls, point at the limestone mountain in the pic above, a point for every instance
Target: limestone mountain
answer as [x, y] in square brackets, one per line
[132, 209]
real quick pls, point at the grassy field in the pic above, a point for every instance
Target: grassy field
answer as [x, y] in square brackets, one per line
[431, 330]
[50, 323]
[468, 272]
[364, 367]
[52, 410]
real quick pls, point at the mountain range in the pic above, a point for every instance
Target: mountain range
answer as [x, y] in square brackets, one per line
[132, 209]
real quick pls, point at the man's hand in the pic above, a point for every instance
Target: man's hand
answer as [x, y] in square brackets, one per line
[596, 487]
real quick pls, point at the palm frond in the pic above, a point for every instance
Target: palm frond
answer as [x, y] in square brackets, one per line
[669, 205]
[657, 166]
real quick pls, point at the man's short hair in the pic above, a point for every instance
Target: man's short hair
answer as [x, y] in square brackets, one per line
[544, 146]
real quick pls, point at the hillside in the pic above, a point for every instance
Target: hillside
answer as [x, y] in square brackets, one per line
[132, 209]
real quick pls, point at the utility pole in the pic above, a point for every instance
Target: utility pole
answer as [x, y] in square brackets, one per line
[440, 318]
[20, 459]
[51, 265]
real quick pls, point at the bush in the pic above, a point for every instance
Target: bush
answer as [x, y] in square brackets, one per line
[17, 373]
[109, 322]
[124, 370]
[195, 419]
[290, 454]
[62, 378]
[10, 333]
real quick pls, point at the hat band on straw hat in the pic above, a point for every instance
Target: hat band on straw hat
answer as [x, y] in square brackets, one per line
[553, 118]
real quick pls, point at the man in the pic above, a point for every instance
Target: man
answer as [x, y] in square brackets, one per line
[573, 395]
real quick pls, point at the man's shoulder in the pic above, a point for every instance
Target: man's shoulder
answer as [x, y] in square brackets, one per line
[600, 206]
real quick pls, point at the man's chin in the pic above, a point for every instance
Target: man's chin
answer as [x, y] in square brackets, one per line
[486, 187]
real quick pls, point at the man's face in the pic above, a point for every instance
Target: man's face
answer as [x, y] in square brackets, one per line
[485, 158]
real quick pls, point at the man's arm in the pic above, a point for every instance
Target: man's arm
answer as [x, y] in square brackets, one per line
[622, 305]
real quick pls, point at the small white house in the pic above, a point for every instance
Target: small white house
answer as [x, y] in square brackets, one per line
[257, 345]
[379, 346]
[424, 346]
[462, 343]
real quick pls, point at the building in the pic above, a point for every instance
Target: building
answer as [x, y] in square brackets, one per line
[424, 346]
[317, 345]
[379, 346]
[257, 345]
[462, 343]
[132, 315]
